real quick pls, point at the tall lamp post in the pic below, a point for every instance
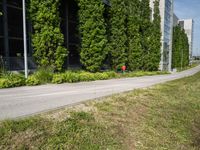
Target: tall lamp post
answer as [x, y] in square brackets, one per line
[25, 41]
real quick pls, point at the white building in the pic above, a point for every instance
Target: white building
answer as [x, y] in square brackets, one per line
[175, 20]
[166, 13]
[188, 26]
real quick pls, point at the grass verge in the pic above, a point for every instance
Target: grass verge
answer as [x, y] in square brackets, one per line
[165, 116]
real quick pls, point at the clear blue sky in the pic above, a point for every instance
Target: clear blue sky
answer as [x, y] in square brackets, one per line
[186, 9]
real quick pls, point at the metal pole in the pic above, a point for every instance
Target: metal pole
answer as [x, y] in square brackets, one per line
[25, 41]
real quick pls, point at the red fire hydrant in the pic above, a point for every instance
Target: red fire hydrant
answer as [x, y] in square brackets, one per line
[123, 69]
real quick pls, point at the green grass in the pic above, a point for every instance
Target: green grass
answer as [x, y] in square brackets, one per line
[194, 64]
[164, 117]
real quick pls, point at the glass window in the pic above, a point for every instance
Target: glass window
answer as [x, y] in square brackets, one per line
[15, 3]
[15, 22]
[1, 46]
[16, 47]
[1, 22]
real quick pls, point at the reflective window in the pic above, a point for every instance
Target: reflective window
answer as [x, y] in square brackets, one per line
[1, 22]
[14, 3]
[15, 22]
[1, 33]
[1, 47]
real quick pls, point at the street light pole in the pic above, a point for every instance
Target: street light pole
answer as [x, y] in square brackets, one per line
[25, 41]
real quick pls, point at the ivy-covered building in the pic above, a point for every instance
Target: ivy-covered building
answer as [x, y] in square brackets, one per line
[89, 34]
[166, 13]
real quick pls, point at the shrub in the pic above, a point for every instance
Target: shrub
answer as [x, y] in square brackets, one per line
[86, 76]
[71, 77]
[118, 33]
[32, 80]
[93, 34]
[112, 74]
[11, 80]
[58, 78]
[44, 75]
[17, 80]
[5, 83]
[101, 76]
[47, 38]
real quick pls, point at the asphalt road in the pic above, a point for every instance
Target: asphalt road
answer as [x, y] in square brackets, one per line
[25, 101]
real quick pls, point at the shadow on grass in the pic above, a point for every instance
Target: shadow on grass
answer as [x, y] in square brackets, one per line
[196, 133]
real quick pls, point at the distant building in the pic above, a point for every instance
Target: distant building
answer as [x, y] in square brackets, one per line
[166, 13]
[188, 26]
[175, 20]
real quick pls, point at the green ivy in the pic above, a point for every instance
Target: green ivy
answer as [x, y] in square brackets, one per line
[93, 34]
[47, 38]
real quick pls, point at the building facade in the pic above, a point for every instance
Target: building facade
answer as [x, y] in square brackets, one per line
[188, 26]
[11, 34]
[175, 20]
[166, 13]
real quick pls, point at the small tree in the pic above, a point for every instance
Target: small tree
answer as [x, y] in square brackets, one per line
[118, 37]
[135, 51]
[146, 33]
[154, 41]
[93, 34]
[180, 48]
[47, 38]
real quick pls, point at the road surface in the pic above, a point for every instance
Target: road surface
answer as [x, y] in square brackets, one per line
[25, 101]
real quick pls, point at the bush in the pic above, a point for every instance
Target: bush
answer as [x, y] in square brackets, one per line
[11, 80]
[71, 77]
[93, 34]
[32, 80]
[58, 78]
[112, 74]
[44, 75]
[5, 83]
[86, 76]
[47, 38]
[101, 76]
